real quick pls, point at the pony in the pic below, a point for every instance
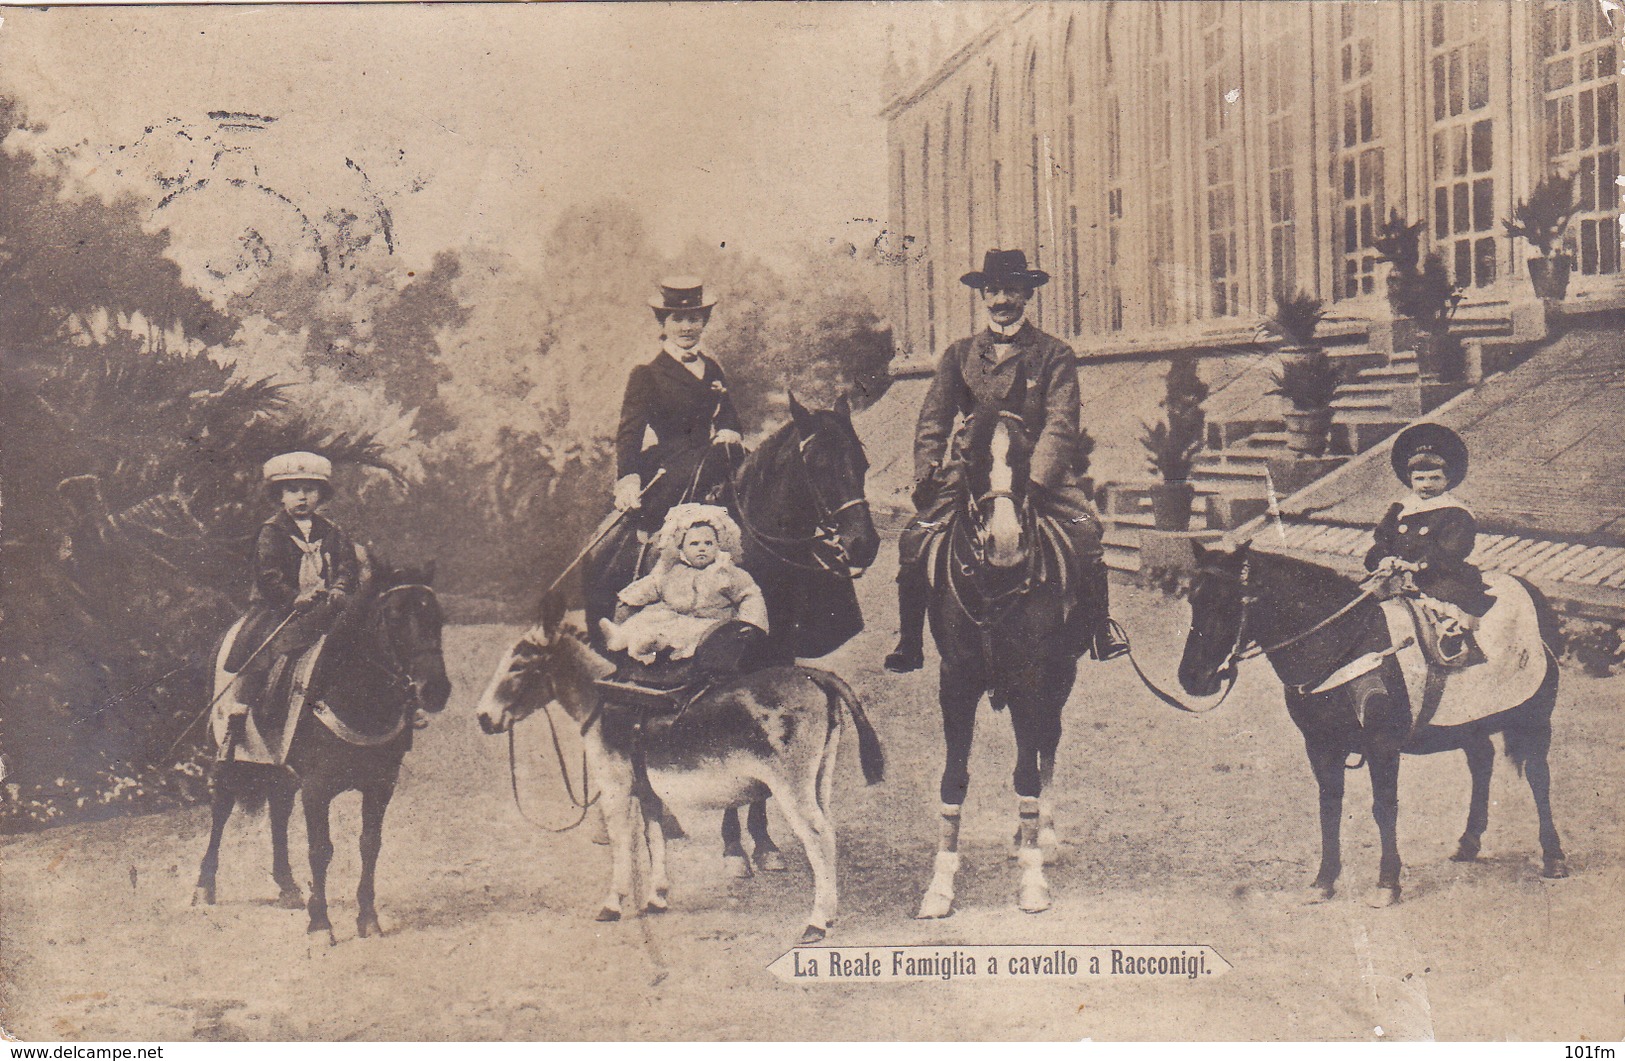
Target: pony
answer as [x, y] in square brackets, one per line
[776, 730]
[808, 534]
[998, 611]
[1311, 622]
[381, 663]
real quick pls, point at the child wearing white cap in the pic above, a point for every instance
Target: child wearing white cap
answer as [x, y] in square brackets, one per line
[305, 566]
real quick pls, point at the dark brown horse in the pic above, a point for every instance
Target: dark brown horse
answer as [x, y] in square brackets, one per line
[1311, 622]
[799, 499]
[378, 667]
[999, 612]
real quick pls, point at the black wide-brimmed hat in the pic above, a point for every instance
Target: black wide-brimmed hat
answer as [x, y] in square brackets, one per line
[1437, 440]
[1005, 269]
[680, 293]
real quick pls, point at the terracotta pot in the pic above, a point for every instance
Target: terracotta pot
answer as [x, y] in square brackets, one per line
[1550, 276]
[1307, 430]
[1171, 506]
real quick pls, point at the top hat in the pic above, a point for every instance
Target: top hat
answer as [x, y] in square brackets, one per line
[680, 293]
[1437, 440]
[1003, 269]
[299, 465]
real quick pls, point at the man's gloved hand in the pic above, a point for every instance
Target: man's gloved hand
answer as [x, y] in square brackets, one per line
[727, 437]
[925, 490]
[628, 491]
[308, 600]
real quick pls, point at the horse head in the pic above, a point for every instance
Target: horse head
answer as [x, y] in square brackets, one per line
[1219, 603]
[833, 466]
[998, 456]
[403, 620]
[551, 663]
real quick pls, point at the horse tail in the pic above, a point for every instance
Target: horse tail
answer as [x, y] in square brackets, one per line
[870, 754]
[1529, 740]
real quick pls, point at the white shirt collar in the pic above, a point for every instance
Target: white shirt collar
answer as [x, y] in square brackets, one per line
[1009, 332]
[681, 356]
[1413, 503]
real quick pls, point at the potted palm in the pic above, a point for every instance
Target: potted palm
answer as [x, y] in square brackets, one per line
[1172, 444]
[1421, 293]
[1542, 219]
[1306, 377]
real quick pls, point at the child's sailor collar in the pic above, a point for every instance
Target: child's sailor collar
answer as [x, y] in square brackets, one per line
[1414, 503]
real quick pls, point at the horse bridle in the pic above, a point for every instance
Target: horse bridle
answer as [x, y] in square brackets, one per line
[585, 801]
[1242, 648]
[826, 532]
[392, 665]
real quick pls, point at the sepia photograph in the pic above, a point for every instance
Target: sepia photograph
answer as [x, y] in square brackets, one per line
[953, 520]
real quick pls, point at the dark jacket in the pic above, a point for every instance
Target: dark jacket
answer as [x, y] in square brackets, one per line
[276, 586]
[969, 375]
[683, 411]
[1440, 540]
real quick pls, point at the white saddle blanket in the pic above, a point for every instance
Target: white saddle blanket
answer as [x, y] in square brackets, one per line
[270, 749]
[1508, 635]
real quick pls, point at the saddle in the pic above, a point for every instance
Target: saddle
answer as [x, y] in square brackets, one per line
[1445, 635]
[270, 724]
[667, 687]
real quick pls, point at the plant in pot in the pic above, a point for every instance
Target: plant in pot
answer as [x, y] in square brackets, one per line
[1306, 377]
[1420, 291]
[1172, 444]
[1541, 220]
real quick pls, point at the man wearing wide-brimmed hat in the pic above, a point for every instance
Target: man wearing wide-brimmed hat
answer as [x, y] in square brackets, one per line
[1011, 364]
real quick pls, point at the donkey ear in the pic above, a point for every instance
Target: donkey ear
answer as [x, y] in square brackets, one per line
[798, 412]
[551, 614]
[843, 408]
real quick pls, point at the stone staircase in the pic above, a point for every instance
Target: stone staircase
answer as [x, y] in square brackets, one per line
[1247, 460]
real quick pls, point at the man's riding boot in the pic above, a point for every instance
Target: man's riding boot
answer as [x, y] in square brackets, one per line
[1104, 644]
[912, 594]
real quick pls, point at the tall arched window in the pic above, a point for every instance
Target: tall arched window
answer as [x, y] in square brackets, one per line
[995, 148]
[967, 165]
[1037, 178]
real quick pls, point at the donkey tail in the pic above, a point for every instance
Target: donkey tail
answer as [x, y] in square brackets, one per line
[870, 754]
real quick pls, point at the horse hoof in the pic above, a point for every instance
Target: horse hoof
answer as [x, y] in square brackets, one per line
[738, 866]
[1556, 869]
[368, 926]
[935, 905]
[1382, 895]
[657, 904]
[1035, 900]
[771, 860]
[812, 934]
[1465, 852]
[291, 899]
[903, 661]
[1316, 894]
[608, 914]
[205, 895]
[319, 924]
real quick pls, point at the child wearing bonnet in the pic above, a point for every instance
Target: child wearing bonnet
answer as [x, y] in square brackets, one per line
[695, 585]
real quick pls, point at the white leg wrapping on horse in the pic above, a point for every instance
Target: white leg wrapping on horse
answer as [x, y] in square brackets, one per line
[1035, 896]
[939, 896]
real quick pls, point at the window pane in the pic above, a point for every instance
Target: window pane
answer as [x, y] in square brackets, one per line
[1367, 120]
[1588, 246]
[1608, 248]
[1438, 87]
[1478, 79]
[1366, 59]
[1553, 134]
[1588, 118]
[1456, 102]
[1483, 205]
[1548, 32]
[1463, 273]
[1605, 62]
[1350, 127]
[1348, 178]
[1460, 221]
[1585, 22]
[1367, 230]
[1608, 113]
[1484, 262]
[1458, 144]
[1588, 183]
[1348, 62]
[1438, 24]
[1559, 74]
[1441, 212]
[1565, 125]
[1608, 177]
[1351, 229]
[1483, 146]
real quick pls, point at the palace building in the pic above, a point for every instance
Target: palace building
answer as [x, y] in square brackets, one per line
[1174, 166]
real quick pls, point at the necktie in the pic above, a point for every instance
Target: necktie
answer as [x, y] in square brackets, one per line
[310, 564]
